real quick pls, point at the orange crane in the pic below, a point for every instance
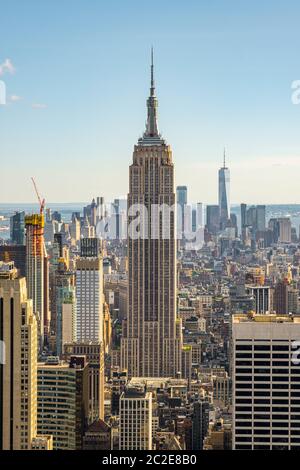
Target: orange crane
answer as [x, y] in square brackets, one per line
[42, 202]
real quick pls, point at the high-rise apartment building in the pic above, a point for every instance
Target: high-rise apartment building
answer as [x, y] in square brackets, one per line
[282, 229]
[46, 296]
[135, 419]
[285, 230]
[266, 397]
[243, 216]
[212, 219]
[260, 218]
[94, 353]
[181, 199]
[150, 345]
[63, 401]
[18, 368]
[89, 294]
[17, 228]
[254, 217]
[200, 423]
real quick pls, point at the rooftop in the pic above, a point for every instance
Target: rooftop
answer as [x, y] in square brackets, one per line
[265, 318]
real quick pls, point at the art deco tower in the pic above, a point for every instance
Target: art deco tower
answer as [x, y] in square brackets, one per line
[151, 343]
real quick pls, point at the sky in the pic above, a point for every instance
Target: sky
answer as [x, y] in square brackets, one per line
[77, 78]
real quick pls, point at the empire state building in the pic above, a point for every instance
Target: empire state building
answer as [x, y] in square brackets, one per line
[151, 337]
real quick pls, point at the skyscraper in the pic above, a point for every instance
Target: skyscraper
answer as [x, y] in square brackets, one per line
[63, 401]
[94, 353]
[260, 218]
[285, 230]
[200, 423]
[224, 193]
[197, 217]
[243, 216]
[150, 345]
[89, 293]
[17, 228]
[181, 192]
[265, 382]
[212, 219]
[35, 263]
[18, 374]
[181, 196]
[65, 305]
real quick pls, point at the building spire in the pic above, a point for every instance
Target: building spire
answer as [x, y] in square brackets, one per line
[151, 126]
[152, 89]
[224, 158]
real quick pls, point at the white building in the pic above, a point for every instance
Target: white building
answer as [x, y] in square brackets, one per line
[135, 419]
[263, 298]
[89, 299]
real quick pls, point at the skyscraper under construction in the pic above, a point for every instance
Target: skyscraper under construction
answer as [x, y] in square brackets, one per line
[35, 264]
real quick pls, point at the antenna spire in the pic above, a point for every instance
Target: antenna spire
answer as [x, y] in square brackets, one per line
[224, 158]
[152, 126]
[152, 88]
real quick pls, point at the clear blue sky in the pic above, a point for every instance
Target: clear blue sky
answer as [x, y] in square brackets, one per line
[223, 70]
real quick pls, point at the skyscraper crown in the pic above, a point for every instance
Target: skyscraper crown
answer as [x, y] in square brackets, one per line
[151, 135]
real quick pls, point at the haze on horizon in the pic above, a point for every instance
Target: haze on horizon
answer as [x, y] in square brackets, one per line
[77, 79]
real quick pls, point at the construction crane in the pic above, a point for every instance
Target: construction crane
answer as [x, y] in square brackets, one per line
[41, 201]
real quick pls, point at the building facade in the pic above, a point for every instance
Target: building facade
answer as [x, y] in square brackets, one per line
[35, 263]
[17, 228]
[63, 401]
[266, 401]
[150, 346]
[94, 353]
[135, 419]
[18, 370]
[89, 299]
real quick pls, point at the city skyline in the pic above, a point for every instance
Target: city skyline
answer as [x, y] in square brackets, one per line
[162, 315]
[66, 104]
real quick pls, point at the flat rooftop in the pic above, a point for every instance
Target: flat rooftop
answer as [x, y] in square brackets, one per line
[265, 318]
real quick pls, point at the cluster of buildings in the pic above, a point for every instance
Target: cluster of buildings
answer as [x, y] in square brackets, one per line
[111, 341]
